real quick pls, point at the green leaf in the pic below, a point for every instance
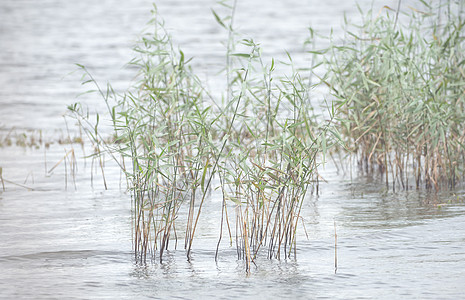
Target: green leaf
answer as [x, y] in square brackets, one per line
[202, 182]
[218, 19]
[245, 55]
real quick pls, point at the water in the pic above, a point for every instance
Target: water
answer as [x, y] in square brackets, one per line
[63, 236]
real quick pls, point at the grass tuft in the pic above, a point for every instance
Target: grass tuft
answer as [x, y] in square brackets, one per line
[400, 90]
[260, 141]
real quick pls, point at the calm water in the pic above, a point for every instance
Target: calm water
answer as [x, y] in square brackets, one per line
[66, 237]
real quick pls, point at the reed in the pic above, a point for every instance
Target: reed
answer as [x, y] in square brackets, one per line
[172, 138]
[400, 89]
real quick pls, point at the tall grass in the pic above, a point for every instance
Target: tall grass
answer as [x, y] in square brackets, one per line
[172, 139]
[400, 87]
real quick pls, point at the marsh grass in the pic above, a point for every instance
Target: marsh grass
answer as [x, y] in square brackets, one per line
[69, 162]
[38, 139]
[400, 88]
[24, 138]
[172, 138]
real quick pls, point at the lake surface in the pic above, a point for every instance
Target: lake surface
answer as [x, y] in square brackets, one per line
[63, 236]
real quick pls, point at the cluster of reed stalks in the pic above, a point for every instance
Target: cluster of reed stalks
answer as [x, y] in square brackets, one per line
[398, 93]
[401, 88]
[172, 138]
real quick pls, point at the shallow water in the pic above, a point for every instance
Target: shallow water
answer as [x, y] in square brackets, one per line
[64, 236]
[65, 241]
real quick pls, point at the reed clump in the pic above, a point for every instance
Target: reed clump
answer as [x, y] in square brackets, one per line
[260, 141]
[400, 89]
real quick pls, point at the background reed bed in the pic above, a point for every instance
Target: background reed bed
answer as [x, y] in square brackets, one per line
[400, 90]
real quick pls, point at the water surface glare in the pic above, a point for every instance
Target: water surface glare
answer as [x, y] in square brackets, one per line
[65, 237]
